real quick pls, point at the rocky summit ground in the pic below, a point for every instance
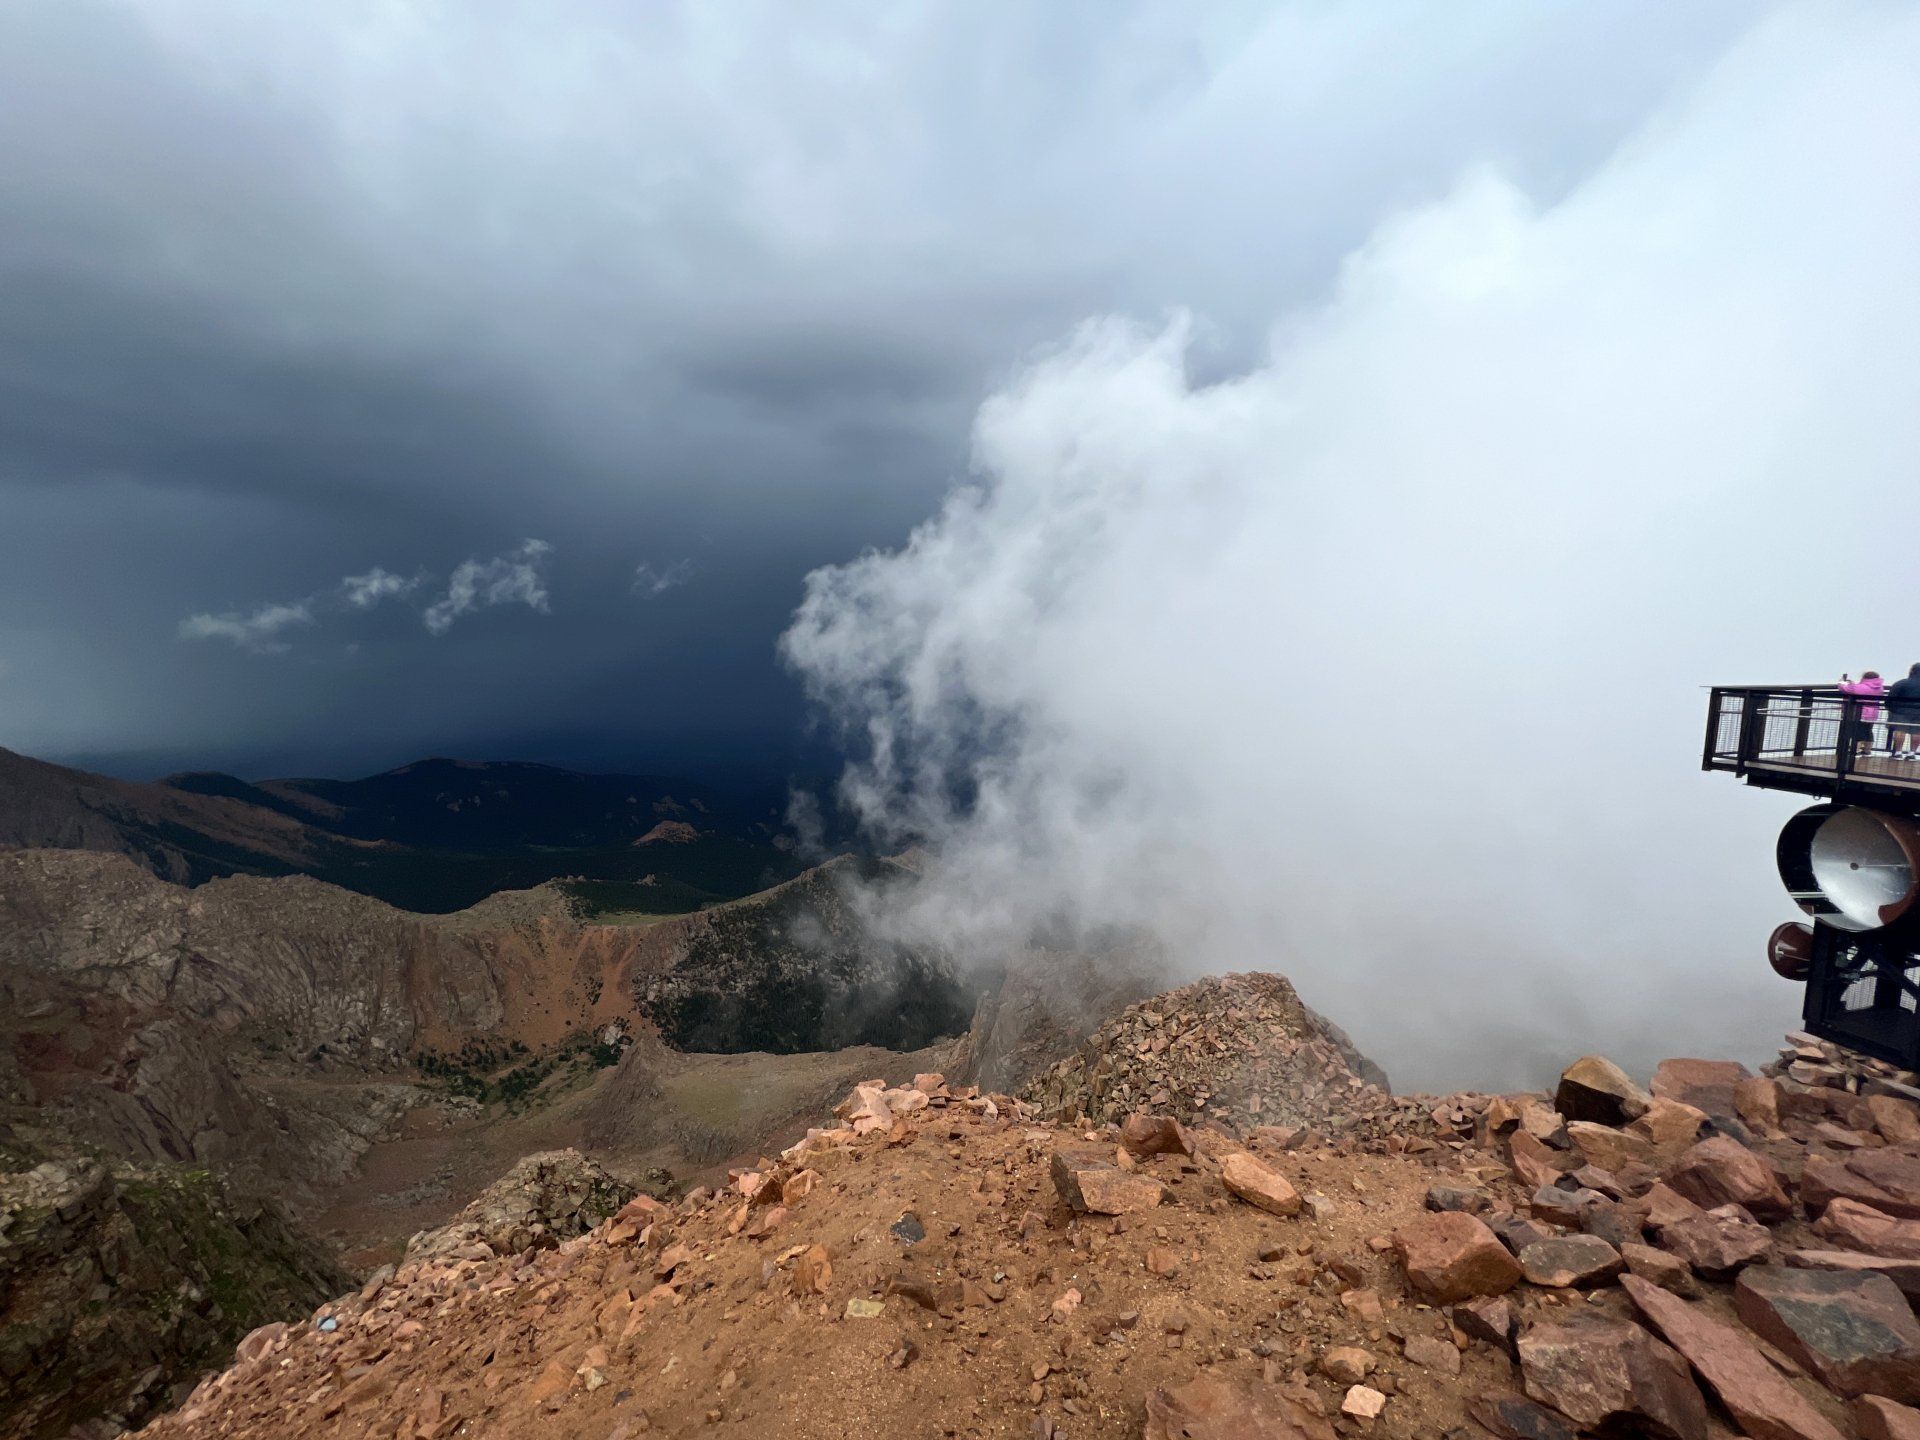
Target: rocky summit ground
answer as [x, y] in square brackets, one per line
[1719, 1254]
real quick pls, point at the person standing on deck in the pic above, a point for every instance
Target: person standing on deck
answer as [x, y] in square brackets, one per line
[1856, 721]
[1903, 716]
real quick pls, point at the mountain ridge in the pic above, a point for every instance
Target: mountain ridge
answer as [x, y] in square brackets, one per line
[433, 836]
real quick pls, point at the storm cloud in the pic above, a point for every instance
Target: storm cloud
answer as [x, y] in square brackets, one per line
[292, 290]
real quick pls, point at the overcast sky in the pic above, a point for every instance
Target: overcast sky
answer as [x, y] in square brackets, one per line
[381, 377]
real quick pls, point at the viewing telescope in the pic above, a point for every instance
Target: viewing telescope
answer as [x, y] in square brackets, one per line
[1850, 862]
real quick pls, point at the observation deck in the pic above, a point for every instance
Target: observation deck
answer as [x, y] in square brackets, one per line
[1787, 737]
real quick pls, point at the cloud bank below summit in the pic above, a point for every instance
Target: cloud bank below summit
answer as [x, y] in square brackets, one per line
[1380, 663]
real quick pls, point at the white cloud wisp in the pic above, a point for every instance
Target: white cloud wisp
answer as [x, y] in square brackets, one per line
[650, 580]
[517, 577]
[258, 631]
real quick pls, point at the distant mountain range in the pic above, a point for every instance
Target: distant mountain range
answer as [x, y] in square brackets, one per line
[437, 835]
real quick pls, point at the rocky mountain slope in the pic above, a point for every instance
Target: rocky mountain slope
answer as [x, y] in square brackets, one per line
[435, 836]
[1722, 1253]
[1717, 1254]
[119, 1282]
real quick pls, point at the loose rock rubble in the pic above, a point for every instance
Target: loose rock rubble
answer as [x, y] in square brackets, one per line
[1719, 1253]
[1238, 1052]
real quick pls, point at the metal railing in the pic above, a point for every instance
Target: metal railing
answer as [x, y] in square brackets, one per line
[1803, 736]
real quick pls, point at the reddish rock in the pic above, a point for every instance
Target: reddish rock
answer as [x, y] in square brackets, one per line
[1489, 1318]
[1503, 1112]
[919, 1288]
[1363, 1404]
[1516, 1232]
[1903, 1273]
[1432, 1354]
[1664, 1206]
[267, 1340]
[1636, 1180]
[1564, 1207]
[1767, 1407]
[1704, 1084]
[1545, 1124]
[1261, 1187]
[1145, 1135]
[1279, 1137]
[1756, 1100]
[1595, 1370]
[1514, 1417]
[812, 1272]
[1346, 1364]
[1535, 1162]
[1453, 1256]
[1877, 1418]
[1861, 1227]
[1658, 1267]
[1617, 1223]
[1603, 1182]
[1722, 1171]
[1608, 1148]
[1718, 1242]
[1896, 1119]
[1613, 1222]
[1214, 1407]
[1840, 1137]
[1855, 1332]
[1594, 1088]
[1363, 1304]
[1888, 1180]
[1583, 1260]
[1812, 1105]
[1669, 1126]
[1473, 1199]
[1088, 1180]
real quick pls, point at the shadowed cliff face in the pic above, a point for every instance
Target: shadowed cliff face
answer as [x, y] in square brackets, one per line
[799, 968]
[190, 1268]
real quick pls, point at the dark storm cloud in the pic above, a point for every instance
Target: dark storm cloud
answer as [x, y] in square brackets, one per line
[292, 293]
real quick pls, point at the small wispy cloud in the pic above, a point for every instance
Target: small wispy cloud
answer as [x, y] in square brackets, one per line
[363, 592]
[517, 577]
[650, 580]
[258, 630]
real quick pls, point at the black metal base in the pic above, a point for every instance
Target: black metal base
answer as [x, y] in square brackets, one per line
[1863, 991]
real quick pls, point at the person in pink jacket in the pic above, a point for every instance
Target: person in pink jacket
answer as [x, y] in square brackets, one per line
[1856, 726]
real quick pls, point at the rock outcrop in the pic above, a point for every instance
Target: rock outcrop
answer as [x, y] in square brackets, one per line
[542, 1200]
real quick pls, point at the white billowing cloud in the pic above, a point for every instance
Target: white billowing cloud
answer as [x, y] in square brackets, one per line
[515, 577]
[650, 580]
[363, 592]
[258, 630]
[1380, 664]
